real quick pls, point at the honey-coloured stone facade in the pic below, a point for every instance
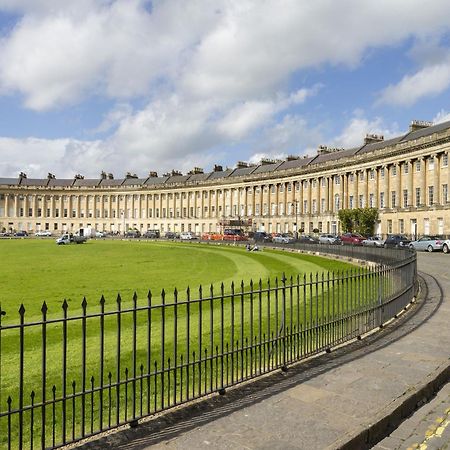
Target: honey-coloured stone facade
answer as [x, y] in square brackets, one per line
[406, 178]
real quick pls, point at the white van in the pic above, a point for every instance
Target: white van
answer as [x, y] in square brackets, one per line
[187, 236]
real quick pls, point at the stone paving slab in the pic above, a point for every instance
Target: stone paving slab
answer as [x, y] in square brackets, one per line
[340, 400]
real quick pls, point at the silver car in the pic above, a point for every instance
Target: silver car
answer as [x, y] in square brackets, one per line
[328, 239]
[446, 246]
[373, 241]
[283, 239]
[428, 243]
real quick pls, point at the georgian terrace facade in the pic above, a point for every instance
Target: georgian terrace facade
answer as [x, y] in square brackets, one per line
[406, 178]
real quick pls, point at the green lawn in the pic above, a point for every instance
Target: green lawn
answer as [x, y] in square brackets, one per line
[32, 271]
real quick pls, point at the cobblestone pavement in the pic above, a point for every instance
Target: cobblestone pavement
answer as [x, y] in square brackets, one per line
[341, 400]
[427, 428]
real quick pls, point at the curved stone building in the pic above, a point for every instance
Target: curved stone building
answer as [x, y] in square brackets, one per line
[406, 178]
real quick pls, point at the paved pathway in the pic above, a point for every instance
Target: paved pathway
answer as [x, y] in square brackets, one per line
[339, 400]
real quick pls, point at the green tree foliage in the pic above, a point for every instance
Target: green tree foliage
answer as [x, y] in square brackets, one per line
[359, 220]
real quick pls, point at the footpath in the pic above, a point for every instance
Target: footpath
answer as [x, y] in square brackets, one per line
[354, 398]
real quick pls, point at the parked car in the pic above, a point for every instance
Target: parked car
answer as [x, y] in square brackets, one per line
[306, 239]
[100, 234]
[187, 236]
[351, 239]
[21, 233]
[373, 241]
[262, 236]
[43, 233]
[152, 234]
[396, 240]
[69, 238]
[283, 238]
[329, 239]
[133, 234]
[428, 243]
[446, 246]
[231, 234]
[171, 235]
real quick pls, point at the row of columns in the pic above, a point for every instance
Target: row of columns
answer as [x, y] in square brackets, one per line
[329, 193]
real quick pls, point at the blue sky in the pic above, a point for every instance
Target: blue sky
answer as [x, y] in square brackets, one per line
[136, 86]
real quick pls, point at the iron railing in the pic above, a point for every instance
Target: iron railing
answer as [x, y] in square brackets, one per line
[65, 378]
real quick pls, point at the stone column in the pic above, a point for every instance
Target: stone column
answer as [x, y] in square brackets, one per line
[411, 193]
[436, 181]
[356, 189]
[376, 189]
[387, 185]
[423, 168]
[366, 190]
[16, 206]
[448, 176]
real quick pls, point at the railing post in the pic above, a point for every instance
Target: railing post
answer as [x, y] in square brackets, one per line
[2, 313]
[119, 326]
[134, 362]
[83, 368]
[44, 371]
[65, 307]
[21, 364]
[283, 321]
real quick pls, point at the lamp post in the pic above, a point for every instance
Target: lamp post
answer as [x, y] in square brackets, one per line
[296, 219]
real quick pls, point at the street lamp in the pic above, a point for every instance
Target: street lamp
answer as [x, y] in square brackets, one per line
[296, 219]
[123, 221]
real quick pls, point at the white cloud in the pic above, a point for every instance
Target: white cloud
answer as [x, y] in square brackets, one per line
[356, 129]
[114, 49]
[428, 81]
[207, 74]
[60, 52]
[242, 119]
[37, 157]
[441, 116]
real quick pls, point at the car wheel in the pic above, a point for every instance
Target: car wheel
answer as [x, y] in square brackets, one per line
[445, 248]
[429, 248]
[385, 246]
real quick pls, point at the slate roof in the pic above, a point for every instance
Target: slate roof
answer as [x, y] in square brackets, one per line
[199, 177]
[34, 182]
[134, 181]
[150, 181]
[110, 182]
[81, 182]
[263, 168]
[220, 174]
[296, 163]
[55, 182]
[9, 181]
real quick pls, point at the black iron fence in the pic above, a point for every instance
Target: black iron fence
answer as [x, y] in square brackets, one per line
[66, 378]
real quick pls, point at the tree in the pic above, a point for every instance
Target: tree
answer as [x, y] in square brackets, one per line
[360, 220]
[346, 219]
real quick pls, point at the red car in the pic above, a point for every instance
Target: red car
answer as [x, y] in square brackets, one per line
[351, 239]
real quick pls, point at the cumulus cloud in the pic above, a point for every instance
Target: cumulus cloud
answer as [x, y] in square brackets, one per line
[115, 49]
[428, 81]
[442, 116]
[243, 118]
[189, 78]
[358, 126]
[36, 157]
[58, 52]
